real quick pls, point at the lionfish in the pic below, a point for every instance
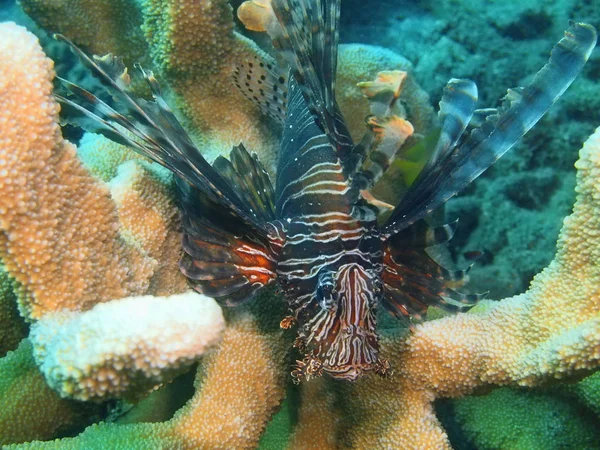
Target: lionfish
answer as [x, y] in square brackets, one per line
[316, 234]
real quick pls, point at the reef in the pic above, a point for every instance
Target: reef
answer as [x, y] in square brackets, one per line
[89, 240]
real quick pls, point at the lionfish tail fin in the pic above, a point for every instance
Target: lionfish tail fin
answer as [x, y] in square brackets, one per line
[413, 281]
[453, 167]
[151, 129]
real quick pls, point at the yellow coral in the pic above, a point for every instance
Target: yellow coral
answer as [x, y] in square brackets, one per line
[57, 224]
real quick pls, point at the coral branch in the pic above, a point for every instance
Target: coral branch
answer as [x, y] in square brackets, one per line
[59, 230]
[126, 346]
[551, 332]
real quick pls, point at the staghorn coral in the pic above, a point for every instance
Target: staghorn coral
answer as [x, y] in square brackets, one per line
[56, 221]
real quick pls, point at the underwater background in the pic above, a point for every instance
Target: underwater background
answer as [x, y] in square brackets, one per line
[512, 214]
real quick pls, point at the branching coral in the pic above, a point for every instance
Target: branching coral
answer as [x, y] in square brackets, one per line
[193, 48]
[239, 386]
[104, 353]
[76, 245]
[549, 333]
[57, 223]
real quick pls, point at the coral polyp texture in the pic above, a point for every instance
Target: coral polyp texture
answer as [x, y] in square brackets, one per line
[90, 239]
[103, 353]
[57, 222]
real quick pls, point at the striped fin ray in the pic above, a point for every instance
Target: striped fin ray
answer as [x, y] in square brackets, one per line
[421, 235]
[248, 177]
[308, 41]
[224, 264]
[521, 109]
[457, 107]
[151, 129]
[413, 280]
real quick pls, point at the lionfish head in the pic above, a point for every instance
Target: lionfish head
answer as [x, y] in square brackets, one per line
[339, 338]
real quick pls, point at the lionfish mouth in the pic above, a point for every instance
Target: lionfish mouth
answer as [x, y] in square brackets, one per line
[311, 367]
[343, 362]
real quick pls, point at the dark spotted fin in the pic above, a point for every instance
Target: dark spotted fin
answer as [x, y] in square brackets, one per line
[150, 128]
[413, 281]
[264, 84]
[453, 170]
[308, 40]
[248, 177]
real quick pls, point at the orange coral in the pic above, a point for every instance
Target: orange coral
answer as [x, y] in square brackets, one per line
[57, 224]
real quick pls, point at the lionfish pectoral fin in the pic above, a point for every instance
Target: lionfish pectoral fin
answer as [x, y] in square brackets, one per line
[225, 258]
[265, 84]
[452, 168]
[230, 268]
[151, 129]
[413, 281]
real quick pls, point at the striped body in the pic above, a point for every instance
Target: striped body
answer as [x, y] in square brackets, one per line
[331, 261]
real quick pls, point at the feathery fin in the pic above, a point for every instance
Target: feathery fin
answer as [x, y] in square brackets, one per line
[230, 268]
[413, 280]
[156, 132]
[521, 109]
[248, 177]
